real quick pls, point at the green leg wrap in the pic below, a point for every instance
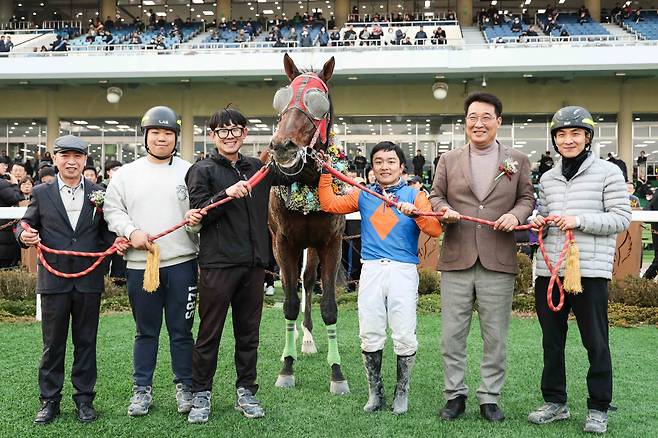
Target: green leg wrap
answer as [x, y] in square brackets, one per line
[291, 340]
[333, 357]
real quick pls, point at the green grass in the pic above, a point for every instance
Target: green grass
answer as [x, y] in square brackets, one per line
[309, 409]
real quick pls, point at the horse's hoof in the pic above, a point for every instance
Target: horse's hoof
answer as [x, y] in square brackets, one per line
[285, 381]
[339, 388]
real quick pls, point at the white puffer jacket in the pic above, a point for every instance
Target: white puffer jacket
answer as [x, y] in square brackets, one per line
[597, 196]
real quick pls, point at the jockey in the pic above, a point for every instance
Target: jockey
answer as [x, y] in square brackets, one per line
[390, 255]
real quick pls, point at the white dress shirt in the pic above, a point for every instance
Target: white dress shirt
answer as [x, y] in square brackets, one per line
[73, 199]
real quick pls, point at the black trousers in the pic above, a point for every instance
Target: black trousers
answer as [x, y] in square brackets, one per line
[591, 310]
[652, 270]
[82, 310]
[242, 289]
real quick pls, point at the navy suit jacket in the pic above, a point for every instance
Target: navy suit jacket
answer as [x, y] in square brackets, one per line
[46, 213]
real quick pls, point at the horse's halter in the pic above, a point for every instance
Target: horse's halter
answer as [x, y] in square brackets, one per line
[310, 95]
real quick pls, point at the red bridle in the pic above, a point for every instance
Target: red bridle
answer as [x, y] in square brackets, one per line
[301, 85]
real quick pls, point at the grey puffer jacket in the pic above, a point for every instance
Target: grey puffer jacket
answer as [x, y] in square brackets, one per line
[597, 196]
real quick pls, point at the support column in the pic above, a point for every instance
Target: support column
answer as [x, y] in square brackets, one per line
[342, 12]
[223, 10]
[6, 10]
[465, 12]
[594, 7]
[625, 128]
[108, 8]
[187, 128]
[52, 120]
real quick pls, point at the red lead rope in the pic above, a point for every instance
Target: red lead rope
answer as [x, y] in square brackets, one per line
[41, 248]
[553, 270]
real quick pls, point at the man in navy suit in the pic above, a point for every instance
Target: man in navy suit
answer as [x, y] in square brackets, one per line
[62, 216]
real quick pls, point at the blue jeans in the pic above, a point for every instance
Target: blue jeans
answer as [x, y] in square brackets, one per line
[177, 297]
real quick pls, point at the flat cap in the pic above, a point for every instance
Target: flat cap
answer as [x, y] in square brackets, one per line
[70, 143]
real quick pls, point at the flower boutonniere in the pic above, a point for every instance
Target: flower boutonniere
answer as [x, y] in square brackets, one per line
[97, 198]
[507, 168]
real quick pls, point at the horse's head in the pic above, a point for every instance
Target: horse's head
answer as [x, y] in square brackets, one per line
[305, 113]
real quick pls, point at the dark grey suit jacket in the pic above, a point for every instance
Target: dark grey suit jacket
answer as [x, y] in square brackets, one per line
[46, 214]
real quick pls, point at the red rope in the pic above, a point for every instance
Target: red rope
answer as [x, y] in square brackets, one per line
[41, 248]
[553, 270]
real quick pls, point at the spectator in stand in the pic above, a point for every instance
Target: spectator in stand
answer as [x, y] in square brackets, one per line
[8, 44]
[418, 163]
[335, 37]
[516, 25]
[583, 15]
[628, 11]
[305, 38]
[349, 36]
[322, 39]
[637, 17]
[451, 16]
[376, 34]
[564, 33]
[439, 36]
[109, 24]
[407, 41]
[178, 22]
[420, 37]
[292, 36]
[615, 13]
[2, 43]
[135, 38]
[60, 45]
[364, 36]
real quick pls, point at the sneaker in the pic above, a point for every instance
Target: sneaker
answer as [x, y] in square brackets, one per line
[141, 401]
[548, 413]
[596, 421]
[269, 291]
[200, 410]
[246, 403]
[183, 398]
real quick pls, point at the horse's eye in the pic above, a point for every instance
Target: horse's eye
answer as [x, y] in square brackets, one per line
[316, 103]
[282, 99]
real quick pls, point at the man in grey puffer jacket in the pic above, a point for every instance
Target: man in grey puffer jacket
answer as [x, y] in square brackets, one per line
[589, 196]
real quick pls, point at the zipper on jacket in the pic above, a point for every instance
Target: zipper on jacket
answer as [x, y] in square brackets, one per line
[251, 240]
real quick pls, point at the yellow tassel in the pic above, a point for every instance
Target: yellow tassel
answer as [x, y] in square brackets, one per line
[152, 272]
[572, 270]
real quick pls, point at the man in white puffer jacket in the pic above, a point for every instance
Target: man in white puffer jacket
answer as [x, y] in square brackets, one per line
[589, 196]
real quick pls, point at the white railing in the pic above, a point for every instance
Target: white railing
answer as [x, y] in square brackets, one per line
[267, 46]
[575, 40]
[17, 25]
[59, 24]
[386, 24]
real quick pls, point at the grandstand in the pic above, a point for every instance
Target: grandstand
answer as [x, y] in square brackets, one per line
[380, 90]
[647, 28]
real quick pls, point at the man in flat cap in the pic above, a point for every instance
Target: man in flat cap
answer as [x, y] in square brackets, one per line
[63, 216]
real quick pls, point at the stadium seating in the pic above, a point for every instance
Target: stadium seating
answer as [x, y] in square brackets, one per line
[502, 31]
[122, 36]
[647, 29]
[569, 21]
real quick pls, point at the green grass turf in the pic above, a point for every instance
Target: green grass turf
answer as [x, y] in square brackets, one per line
[309, 410]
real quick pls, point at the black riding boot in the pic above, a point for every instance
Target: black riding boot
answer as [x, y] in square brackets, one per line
[373, 365]
[401, 401]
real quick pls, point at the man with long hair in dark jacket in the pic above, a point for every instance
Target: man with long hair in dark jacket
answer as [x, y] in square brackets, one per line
[234, 251]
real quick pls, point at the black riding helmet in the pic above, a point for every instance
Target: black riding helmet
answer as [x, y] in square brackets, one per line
[161, 117]
[572, 117]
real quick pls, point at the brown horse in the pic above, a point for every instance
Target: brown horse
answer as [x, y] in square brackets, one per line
[305, 121]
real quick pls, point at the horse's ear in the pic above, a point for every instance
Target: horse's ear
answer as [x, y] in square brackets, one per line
[327, 70]
[291, 69]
